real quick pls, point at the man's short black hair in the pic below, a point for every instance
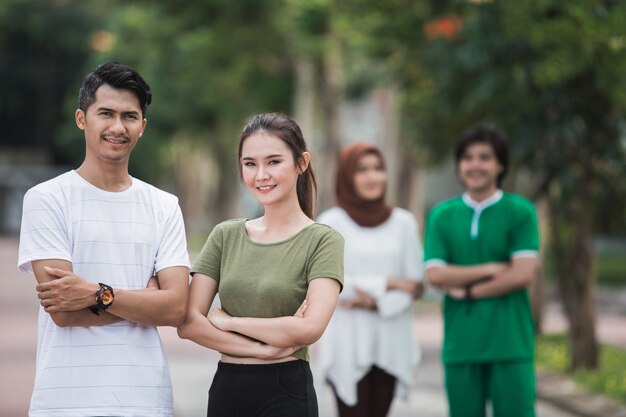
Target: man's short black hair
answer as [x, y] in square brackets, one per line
[117, 76]
[490, 136]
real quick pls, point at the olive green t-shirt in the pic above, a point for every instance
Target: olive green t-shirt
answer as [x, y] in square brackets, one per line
[458, 233]
[269, 279]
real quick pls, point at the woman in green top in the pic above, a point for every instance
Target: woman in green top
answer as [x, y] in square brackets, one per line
[278, 276]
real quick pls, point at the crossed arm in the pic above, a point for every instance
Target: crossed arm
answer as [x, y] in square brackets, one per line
[487, 280]
[364, 300]
[264, 338]
[67, 297]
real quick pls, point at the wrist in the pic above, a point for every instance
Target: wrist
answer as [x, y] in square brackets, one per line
[104, 298]
[469, 295]
[230, 324]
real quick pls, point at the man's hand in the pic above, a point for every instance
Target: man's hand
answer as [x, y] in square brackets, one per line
[67, 293]
[360, 300]
[457, 293]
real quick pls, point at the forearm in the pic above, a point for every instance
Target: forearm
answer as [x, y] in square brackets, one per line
[83, 318]
[519, 276]
[150, 307]
[446, 276]
[198, 329]
[279, 331]
[410, 286]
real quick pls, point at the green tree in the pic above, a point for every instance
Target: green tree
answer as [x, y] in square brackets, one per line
[44, 45]
[211, 65]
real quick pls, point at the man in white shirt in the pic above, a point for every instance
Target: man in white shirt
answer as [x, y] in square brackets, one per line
[110, 257]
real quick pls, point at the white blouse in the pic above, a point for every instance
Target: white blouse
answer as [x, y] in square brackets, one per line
[356, 339]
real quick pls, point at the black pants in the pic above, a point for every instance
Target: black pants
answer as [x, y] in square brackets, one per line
[374, 392]
[272, 390]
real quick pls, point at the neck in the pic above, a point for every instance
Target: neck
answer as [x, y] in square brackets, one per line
[111, 177]
[481, 195]
[284, 215]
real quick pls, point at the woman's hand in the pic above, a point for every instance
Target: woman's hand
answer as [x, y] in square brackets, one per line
[220, 319]
[360, 300]
[273, 352]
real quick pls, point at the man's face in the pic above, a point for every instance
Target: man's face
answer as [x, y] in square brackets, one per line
[479, 168]
[112, 125]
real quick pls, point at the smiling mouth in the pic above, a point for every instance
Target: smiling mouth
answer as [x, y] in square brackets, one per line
[265, 188]
[114, 140]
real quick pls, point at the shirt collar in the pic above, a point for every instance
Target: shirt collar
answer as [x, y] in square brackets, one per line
[489, 201]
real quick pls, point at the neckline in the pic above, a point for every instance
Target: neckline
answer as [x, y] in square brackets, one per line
[105, 192]
[479, 206]
[278, 242]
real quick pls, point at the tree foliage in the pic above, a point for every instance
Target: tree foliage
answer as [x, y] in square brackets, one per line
[548, 73]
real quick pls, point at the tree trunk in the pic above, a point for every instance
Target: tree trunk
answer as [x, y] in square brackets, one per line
[331, 100]
[571, 247]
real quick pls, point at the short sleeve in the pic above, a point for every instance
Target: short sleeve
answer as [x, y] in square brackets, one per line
[43, 234]
[327, 258]
[525, 234]
[210, 258]
[435, 249]
[173, 246]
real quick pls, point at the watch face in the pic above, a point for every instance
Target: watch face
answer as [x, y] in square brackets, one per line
[106, 297]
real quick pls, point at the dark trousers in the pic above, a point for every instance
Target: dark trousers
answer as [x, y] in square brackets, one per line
[272, 390]
[374, 392]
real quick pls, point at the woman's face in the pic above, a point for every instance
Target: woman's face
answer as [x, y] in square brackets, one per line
[370, 179]
[268, 168]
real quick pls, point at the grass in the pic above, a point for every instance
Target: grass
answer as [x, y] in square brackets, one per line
[608, 379]
[611, 269]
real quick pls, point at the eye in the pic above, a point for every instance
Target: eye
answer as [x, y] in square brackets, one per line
[248, 164]
[131, 116]
[273, 162]
[104, 113]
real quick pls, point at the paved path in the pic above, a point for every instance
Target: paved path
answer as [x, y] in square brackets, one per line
[192, 367]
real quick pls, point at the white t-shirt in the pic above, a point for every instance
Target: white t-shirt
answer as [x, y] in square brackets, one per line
[121, 239]
[357, 339]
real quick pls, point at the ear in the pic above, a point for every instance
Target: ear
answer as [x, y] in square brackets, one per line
[143, 126]
[303, 163]
[79, 115]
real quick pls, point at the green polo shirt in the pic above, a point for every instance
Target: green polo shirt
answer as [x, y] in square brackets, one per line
[269, 279]
[463, 233]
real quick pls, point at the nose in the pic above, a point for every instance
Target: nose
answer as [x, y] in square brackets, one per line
[117, 126]
[262, 173]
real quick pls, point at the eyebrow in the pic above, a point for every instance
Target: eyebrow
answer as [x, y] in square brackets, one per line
[115, 111]
[249, 158]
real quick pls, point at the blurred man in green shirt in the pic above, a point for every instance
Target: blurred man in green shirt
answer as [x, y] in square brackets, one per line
[481, 249]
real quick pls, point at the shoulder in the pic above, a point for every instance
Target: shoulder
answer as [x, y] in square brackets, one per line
[517, 203]
[319, 231]
[332, 216]
[402, 215]
[446, 207]
[158, 194]
[51, 190]
[230, 226]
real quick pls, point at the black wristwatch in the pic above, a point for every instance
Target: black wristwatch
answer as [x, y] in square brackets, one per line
[104, 299]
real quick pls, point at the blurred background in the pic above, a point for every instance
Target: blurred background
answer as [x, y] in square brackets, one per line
[408, 75]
